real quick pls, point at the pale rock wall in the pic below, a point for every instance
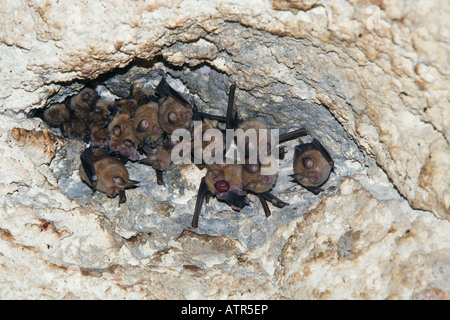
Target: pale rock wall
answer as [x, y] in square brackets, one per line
[379, 67]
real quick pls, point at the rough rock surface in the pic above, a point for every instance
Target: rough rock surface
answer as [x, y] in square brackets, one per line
[370, 79]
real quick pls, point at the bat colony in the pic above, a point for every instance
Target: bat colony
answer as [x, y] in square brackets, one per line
[145, 124]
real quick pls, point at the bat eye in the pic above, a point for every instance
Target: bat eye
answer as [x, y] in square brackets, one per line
[172, 117]
[117, 131]
[222, 186]
[97, 110]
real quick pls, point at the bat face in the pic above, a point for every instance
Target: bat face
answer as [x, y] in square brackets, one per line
[100, 111]
[82, 103]
[121, 136]
[225, 183]
[56, 115]
[173, 115]
[112, 176]
[257, 182]
[312, 165]
[145, 123]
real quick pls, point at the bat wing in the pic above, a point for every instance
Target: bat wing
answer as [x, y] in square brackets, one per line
[292, 135]
[231, 118]
[88, 165]
[202, 193]
[316, 143]
[165, 90]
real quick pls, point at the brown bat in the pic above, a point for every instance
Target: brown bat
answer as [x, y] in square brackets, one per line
[225, 183]
[105, 173]
[312, 165]
[121, 137]
[145, 124]
[257, 182]
[99, 118]
[56, 115]
[174, 112]
[82, 103]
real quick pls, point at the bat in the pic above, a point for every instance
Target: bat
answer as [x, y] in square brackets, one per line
[82, 103]
[121, 138]
[257, 182]
[312, 165]
[141, 95]
[105, 173]
[80, 107]
[146, 127]
[225, 183]
[56, 115]
[160, 160]
[99, 118]
[254, 179]
[174, 111]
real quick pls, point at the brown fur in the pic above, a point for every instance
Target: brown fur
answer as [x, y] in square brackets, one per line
[258, 183]
[145, 123]
[160, 159]
[182, 115]
[76, 129]
[250, 148]
[97, 122]
[56, 115]
[317, 174]
[111, 174]
[126, 106]
[121, 136]
[82, 103]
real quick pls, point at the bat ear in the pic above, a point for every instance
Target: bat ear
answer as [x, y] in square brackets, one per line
[308, 162]
[172, 117]
[117, 131]
[143, 126]
[316, 143]
[296, 176]
[119, 180]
